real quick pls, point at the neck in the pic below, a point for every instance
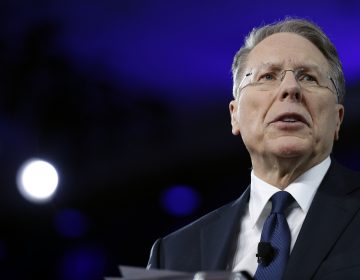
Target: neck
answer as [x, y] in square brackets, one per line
[281, 172]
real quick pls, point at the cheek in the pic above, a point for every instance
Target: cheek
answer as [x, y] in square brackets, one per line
[325, 123]
[251, 115]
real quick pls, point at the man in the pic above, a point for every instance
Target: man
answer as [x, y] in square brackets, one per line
[288, 93]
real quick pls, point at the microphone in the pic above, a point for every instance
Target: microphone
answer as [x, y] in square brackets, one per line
[265, 253]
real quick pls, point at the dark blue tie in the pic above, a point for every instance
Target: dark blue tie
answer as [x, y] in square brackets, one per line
[276, 233]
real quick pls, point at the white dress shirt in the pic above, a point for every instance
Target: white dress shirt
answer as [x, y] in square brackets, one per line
[303, 190]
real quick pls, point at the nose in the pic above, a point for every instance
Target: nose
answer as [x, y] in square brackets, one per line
[289, 87]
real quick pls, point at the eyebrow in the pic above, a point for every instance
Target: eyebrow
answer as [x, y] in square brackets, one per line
[306, 66]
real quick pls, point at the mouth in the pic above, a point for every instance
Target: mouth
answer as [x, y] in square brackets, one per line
[291, 118]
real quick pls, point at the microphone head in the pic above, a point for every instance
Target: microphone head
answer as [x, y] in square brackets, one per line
[265, 253]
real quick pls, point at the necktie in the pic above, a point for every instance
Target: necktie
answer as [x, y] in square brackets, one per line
[276, 232]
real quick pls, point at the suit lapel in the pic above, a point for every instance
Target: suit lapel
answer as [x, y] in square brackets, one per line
[330, 212]
[219, 237]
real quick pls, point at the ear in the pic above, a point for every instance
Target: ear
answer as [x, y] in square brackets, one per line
[233, 107]
[340, 116]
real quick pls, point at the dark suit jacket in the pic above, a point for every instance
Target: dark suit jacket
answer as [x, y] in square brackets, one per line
[328, 245]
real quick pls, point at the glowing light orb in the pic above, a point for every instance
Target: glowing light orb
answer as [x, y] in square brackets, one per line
[37, 180]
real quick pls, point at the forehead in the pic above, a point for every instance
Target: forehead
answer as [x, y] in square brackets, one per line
[287, 50]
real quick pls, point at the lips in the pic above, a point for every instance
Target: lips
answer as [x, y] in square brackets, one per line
[290, 118]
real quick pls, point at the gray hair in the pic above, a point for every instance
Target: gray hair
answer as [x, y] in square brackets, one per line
[302, 27]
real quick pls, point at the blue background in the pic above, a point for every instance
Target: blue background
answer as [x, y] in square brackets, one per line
[129, 100]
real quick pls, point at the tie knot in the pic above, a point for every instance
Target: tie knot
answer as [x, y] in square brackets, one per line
[280, 201]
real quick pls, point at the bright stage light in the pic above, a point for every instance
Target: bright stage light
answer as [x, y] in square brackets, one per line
[37, 180]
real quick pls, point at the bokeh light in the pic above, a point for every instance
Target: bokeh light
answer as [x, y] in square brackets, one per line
[37, 180]
[70, 223]
[180, 200]
[84, 263]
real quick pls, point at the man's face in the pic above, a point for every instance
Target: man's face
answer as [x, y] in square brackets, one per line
[287, 121]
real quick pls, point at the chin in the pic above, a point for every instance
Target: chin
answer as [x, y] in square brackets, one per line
[290, 153]
[290, 150]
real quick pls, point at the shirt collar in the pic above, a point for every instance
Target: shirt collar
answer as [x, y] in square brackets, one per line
[303, 190]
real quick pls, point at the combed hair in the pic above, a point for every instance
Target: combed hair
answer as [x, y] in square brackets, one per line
[302, 27]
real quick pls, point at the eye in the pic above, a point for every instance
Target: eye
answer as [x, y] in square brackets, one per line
[308, 78]
[267, 77]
